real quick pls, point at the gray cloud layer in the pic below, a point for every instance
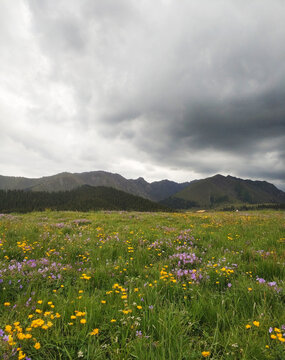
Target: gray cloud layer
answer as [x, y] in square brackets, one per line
[177, 89]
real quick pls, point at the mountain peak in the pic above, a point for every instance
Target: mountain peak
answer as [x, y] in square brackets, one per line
[140, 179]
[227, 190]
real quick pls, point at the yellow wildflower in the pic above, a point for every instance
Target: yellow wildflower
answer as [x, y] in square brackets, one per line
[206, 353]
[37, 345]
[21, 355]
[95, 332]
[8, 329]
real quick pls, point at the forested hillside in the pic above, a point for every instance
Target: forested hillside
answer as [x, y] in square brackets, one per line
[84, 198]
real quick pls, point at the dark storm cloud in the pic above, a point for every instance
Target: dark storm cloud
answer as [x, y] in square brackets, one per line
[190, 87]
[238, 125]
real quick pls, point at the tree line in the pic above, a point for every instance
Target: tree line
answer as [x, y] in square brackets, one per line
[85, 198]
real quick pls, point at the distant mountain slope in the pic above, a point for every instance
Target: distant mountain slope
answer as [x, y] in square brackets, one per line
[67, 181]
[210, 192]
[84, 198]
[161, 189]
[217, 190]
[16, 183]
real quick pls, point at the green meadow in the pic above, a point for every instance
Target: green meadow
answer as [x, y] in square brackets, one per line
[147, 286]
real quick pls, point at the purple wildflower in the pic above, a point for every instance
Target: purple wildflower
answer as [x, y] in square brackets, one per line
[260, 280]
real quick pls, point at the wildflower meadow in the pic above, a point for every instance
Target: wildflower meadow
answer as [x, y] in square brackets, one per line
[146, 286]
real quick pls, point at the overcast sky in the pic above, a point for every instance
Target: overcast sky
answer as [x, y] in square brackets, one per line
[160, 89]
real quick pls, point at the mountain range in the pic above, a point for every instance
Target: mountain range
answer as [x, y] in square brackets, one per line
[156, 191]
[205, 193]
[225, 190]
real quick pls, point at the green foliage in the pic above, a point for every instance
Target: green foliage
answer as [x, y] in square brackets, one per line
[85, 198]
[117, 275]
[178, 203]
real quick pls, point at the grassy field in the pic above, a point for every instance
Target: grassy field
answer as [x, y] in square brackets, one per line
[119, 285]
